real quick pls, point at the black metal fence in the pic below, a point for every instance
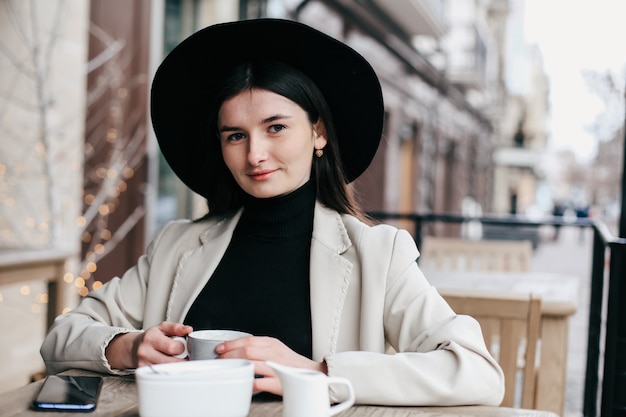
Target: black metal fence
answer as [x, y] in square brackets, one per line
[610, 400]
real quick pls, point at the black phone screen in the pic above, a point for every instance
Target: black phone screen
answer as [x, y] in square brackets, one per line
[68, 393]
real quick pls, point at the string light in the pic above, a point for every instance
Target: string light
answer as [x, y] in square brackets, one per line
[114, 174]
[111, 135]
[117, 175]
[91, 267]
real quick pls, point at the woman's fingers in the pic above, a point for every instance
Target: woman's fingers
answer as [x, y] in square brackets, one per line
[258, 348]
[252, 348]
[156, 346]
[266, 379]
[268, 384]
[169, 328]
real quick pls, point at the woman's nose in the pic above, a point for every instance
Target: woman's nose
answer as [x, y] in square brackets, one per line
[257, 151]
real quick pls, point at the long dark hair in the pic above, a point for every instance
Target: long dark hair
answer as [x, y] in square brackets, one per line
[332, 190]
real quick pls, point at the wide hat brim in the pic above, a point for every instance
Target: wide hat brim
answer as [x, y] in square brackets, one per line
[192, 72]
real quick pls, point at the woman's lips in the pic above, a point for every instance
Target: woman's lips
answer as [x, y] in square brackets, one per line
[261, 175]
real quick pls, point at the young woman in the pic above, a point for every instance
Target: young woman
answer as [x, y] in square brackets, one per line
[270, 120]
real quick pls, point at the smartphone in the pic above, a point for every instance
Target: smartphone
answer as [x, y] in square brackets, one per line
[68, 393]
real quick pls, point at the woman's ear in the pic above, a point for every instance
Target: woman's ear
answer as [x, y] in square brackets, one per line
[319, 134]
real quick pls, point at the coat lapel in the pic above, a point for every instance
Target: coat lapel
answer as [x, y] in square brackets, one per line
[330, 277]
[197, 265]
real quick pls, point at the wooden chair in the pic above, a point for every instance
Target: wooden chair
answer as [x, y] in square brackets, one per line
[469, 255]
[511, 327]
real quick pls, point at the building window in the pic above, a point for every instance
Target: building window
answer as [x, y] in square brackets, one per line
[519, 137]
[252, 9]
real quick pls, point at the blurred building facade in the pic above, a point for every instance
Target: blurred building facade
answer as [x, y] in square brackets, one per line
[604, 180]
[436, 150]
[510, 89]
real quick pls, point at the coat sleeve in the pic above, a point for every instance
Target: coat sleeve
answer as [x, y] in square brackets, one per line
[78, 339]
[439, 358]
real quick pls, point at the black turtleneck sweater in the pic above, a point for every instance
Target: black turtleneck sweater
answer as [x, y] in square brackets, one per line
[261, 285]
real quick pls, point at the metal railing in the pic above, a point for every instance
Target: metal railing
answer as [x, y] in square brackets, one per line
[613, 397]
[611, 303]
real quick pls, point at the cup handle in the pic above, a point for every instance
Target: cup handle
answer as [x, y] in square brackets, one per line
[348, 402]
[184, 342]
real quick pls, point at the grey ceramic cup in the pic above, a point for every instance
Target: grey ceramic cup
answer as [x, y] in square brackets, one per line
[200, 345]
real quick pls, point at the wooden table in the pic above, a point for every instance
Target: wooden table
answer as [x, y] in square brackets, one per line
[559, 298]
[119, 398]
[22, 265]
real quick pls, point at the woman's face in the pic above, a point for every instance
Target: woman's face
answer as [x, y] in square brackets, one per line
[267, 142]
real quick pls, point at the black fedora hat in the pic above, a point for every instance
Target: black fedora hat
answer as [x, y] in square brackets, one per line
[190, 74]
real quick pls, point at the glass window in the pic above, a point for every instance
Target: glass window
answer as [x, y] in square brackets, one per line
[174, 199]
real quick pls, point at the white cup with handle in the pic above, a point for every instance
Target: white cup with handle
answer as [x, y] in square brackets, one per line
[201, 344]
[306, 392]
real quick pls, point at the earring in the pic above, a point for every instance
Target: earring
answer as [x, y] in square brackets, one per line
[319, 153]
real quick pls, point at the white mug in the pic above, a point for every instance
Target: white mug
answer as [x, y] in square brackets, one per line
[201, 344]
[306, 392]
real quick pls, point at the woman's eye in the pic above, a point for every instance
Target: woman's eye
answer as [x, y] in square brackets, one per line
[235, 137]
[276, 128]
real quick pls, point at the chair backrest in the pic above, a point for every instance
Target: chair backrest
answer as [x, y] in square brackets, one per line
[469, 255]
[510, 325]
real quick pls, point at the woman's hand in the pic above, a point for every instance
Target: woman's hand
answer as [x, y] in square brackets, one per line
[155, 345]
[259, 349]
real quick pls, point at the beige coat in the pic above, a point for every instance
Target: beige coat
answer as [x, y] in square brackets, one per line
[367, 294]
